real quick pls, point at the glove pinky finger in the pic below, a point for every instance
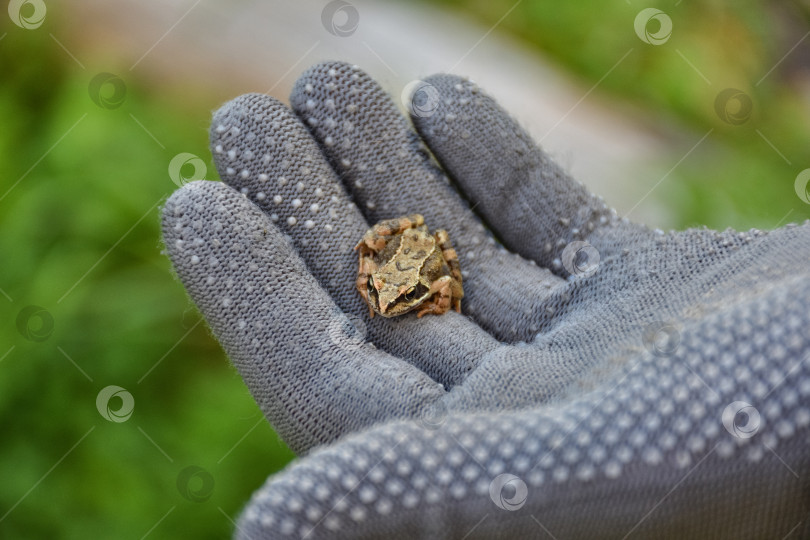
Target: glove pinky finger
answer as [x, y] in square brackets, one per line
[306, 364]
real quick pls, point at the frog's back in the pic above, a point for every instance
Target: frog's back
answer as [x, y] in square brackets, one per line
[413, 245]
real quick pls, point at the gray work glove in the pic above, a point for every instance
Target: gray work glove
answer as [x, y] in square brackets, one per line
[603, 380]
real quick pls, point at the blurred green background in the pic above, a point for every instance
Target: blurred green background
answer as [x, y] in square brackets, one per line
[81, 185]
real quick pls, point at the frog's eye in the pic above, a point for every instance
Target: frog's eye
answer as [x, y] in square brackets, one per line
[410, 294]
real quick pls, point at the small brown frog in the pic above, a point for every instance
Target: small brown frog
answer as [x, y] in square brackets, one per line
[404, 267]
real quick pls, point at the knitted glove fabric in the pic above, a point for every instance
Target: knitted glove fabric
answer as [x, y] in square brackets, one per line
[603, 379]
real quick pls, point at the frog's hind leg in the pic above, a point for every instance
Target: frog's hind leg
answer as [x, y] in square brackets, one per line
[439, 303]
[450, 256]
[376, 237]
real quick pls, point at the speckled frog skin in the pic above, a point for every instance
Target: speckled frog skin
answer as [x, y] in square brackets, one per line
[403, 267]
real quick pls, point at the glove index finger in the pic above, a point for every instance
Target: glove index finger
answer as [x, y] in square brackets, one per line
[524, 196]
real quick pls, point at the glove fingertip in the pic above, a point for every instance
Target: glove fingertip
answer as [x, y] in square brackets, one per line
[321, 71]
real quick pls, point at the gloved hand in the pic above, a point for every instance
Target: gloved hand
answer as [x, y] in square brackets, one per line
[603, 379]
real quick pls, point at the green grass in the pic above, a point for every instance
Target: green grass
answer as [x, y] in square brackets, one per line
[735, 178]
[81, 238]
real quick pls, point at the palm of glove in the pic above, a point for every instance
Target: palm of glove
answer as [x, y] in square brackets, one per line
[595, 360]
